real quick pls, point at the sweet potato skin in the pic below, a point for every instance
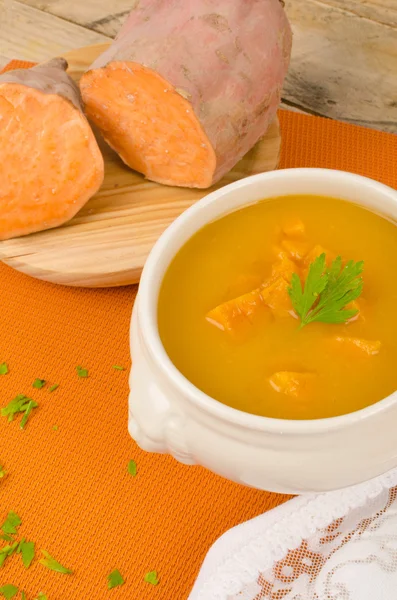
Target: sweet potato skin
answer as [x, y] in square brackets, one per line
[50, 163]
[228, 59]
[50, 78]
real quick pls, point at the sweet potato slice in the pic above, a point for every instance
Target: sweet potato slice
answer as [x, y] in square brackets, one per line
[228, 315]
[284, 267]
[50, 163]
[188, 87]
[315, 253]
[296, 250]
[276, 297]
[369, 347]
[291, 383]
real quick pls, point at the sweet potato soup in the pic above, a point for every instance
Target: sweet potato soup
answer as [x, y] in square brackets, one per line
[286, 308]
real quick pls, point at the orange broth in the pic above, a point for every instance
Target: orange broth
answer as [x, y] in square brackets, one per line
[227, 322]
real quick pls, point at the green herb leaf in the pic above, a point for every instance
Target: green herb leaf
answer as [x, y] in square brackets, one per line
[23, 596]
[118, 368]
[3, 369]
[81, 372]
[18, 550]
[55, 427]
[6, 537]
[17, 405]
[54, 387]
[115, 579]
[327, 291]
[152, 578]
[41, 596]
[11, 523]
[27, 549]
[316, 281]
[12, 548]
[50, 562]
[132, 468]
[26, 415]
[2, 472]
[39, 383]
[9, 591]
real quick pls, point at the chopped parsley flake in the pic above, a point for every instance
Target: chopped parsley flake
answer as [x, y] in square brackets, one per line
[115, 579]
[20, 404]
[27, 550]
[82, 372]
[118, 368]
[54, 387]
[152, 578]
[11, 523]
[3, 369]
[9, 591]
[50, 562]
[26, 415]
[132, 468]
[18, 550]
[39, 383]
[55, 427]
[2, 472]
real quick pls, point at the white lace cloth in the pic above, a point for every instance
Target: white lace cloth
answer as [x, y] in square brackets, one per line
[335, 546]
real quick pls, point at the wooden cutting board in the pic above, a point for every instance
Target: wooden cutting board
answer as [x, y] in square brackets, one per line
[107, 242]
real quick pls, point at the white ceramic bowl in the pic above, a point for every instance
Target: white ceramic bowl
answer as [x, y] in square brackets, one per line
[168, 414]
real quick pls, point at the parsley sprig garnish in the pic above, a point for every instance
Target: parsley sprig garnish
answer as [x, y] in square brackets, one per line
[327, 292]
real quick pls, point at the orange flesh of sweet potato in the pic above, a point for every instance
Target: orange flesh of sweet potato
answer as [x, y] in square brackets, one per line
[227, 315]
[296, 250]
[369, 347]
[316, 252]
[50, 164]
[149, 124]
[291, 383]
[284, 267]
[271, 295]
[276, 297]
[226, 59]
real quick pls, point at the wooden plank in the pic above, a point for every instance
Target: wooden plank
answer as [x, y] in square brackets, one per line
[30, 34]
[343, 66]
[381, 11]
[99, 15]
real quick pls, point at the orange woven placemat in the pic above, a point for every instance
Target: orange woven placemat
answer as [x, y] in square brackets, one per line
[70, 486]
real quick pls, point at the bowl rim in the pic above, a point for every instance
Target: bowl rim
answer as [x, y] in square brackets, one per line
[147, 317]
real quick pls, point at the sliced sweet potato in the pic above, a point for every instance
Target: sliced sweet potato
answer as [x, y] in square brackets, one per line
[291, 383]
[228, 315]
[188, 88]
[369, 347]
[296, 250]
[284, 267]
[276, 297]
[315, 253]
[50, 163]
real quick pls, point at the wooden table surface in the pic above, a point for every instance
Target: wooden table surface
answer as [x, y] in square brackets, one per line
[344, 63]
